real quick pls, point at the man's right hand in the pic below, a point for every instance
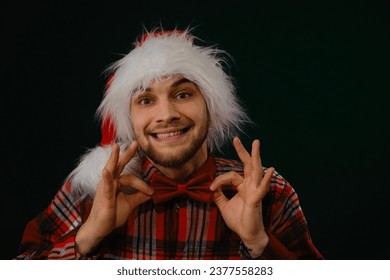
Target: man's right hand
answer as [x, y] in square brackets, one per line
[111, 207]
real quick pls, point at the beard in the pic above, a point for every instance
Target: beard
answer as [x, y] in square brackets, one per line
[177, 159]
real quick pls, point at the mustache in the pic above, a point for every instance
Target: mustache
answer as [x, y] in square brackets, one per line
[174, 124]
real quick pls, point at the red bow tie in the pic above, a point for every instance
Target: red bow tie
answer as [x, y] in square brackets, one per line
[197, 188]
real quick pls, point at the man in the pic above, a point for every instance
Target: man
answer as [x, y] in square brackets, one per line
[157, 192]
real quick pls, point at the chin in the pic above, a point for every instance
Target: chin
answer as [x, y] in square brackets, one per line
[171, 159]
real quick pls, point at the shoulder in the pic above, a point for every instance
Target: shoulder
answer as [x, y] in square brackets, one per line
[226, 165]
[280, 188]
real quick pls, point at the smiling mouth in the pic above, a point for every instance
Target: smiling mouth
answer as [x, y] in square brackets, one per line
[169, 134]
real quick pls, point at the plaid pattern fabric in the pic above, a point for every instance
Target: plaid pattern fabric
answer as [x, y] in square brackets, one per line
[178, 229]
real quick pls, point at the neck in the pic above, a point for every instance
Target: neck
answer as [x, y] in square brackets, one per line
[180, 173]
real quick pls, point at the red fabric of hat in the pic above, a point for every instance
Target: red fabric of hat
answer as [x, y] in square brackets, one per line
[108, 128]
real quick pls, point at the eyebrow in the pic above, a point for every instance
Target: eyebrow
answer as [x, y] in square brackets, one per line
[181, 81]
[175, 84]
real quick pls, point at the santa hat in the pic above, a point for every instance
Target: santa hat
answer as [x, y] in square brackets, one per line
[157, 55]
[163, 54]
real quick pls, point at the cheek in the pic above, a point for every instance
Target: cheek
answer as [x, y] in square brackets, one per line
[136, 122]
[203, 113]
[140, 122]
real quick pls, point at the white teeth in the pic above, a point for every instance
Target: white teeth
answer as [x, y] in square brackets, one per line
[171, 134]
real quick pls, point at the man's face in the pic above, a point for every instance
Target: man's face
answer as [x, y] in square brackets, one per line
[170, 121]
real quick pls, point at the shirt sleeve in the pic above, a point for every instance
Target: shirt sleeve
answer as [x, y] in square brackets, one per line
[51, 234]
[286, 226]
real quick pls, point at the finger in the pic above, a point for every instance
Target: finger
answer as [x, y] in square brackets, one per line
[243, 155]
[257, 167]
[265, 183]
[226, 178]
[113, 159]
[255, 154]
[126, 156]
[108, 188]
[136, 183]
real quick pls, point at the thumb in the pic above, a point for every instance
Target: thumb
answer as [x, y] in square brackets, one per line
[220, 199]
[136, 199]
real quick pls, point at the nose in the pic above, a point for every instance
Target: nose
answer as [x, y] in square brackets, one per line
[167, 112]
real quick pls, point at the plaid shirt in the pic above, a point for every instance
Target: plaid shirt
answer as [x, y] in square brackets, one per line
[179, 229]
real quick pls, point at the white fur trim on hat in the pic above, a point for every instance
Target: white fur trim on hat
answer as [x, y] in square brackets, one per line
[85, 177]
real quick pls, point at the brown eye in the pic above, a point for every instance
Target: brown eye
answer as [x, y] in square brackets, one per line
[144, 101]
[183, 95]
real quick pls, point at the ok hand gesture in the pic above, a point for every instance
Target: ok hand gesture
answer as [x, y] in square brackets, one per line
[111, 207]
[243, 213]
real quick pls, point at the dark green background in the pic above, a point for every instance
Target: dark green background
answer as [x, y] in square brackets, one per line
[313, 76]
